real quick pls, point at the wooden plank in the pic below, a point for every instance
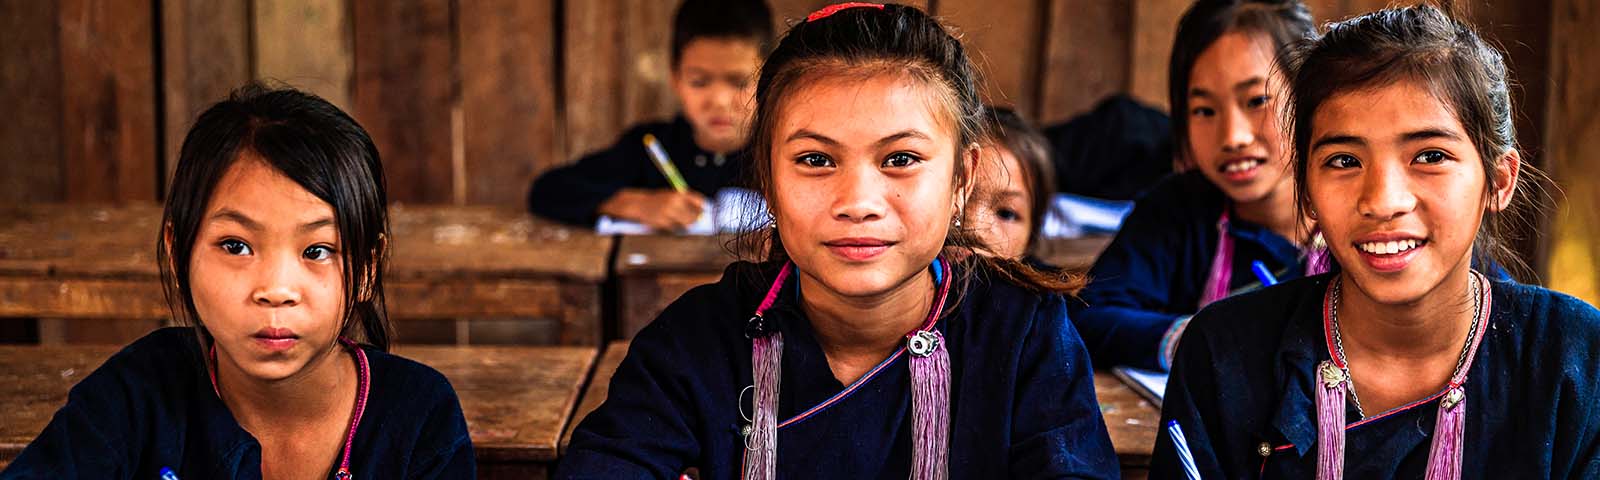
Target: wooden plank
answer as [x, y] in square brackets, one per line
[405, 94]
[647, 61]
[1572, 142]
[599, 387]
[1002, 37]
[515, 413]
[1085, 57]
[1155, 25]
[33, 384]
[82, 298]
[508, 104]
[205, 54]
[30, 90]
[108, 87]
[645, 296]
[592, 76]
[306, 44]
[1131, 420]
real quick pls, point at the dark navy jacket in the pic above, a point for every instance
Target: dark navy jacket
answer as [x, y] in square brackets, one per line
[573, 193]
[152, 406]
[1243, 375]
[1116, 151]
[1155, 269]
[1022, 394]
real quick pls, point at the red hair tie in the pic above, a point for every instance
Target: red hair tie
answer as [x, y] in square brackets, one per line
[835, 8]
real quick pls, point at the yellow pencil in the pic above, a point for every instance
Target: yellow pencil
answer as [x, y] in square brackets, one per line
[664, 164]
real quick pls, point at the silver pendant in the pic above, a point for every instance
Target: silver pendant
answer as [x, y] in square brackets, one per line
[1331, 375]
[923, 343]
[1452, 398]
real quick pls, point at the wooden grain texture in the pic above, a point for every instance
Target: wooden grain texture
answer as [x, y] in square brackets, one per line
[108, 100]
[1085, 57]
[1154, 26]
[599, 386]
[1002, 37]
[1572, 143]
[306, 44]
[205, 54]
[30, 92]
[517, 400]
[1131, 420]
[508, 97]
[645, 295]
[405, 94]
[592, 76]
[646, 61]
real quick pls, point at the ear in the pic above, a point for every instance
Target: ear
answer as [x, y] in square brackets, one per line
[1503, 178]
[968, 177]
[368, 278]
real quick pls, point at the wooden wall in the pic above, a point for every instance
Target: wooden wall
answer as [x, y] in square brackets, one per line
[469, 99]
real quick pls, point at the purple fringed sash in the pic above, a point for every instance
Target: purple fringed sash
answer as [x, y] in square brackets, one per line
[930, 389]
[1222, 262]
[1332, 385]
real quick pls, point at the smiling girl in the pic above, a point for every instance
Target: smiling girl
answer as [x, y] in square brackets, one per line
[272, 252]
[1193, 238]
[1405, 362]
[858, 350]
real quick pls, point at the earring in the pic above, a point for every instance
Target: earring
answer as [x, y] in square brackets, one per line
[957, 221]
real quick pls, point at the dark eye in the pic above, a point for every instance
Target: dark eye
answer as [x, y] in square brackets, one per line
[699, 82]
[1202, 112]
[1431, 157]
[1008, 215]
[317, 252]
[1257, 101]
[1342, 161]
[235, 247]
[816, 160]
[900, 160]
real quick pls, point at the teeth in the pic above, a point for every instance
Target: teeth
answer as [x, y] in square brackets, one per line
[1388, 248]
[1241, 166]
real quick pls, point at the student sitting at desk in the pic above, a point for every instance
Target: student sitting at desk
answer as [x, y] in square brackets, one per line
[272, 251]
[858, 349]
[716, 47]
[1192, 240]
[1405, 361]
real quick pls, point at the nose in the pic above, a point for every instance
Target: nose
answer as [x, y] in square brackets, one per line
[859, 194]
[1238, 130]
[1385, 192]
[276, 286]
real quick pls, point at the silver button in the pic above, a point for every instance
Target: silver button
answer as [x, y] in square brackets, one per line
[1265, 449]
[699, 160]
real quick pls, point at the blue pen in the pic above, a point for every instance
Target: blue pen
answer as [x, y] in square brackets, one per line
[1263, 273]
[1182, 446]
[168, 474]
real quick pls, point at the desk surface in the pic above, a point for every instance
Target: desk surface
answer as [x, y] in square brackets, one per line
[517, 400]
[1130, 418]
[433, 242]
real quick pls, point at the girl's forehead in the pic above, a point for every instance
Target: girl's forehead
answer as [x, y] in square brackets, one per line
[866, 103]
[1390, 112]
[255, 189]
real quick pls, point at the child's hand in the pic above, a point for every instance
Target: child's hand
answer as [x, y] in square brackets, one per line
[664, 210]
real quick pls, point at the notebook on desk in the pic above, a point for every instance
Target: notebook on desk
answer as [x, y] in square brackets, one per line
[1150, 384]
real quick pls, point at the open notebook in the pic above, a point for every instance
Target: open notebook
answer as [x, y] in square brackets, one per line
[1150, 384]
[733, 210]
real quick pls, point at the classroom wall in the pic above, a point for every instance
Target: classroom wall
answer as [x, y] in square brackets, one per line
[470, 99]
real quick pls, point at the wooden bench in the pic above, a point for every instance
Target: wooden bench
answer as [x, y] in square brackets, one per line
[449, 262]
[653, 270]
[1131, 420]
[517, 400]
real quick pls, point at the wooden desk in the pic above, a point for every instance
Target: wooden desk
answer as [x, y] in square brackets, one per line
[653, 270]
[1131, 419]
[517, 400]
[98, 261]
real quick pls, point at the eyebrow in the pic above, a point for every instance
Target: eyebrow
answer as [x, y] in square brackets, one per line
[1339, 139]
[1247, 83]
[252, 225]
[901, 135]
[1429, 134]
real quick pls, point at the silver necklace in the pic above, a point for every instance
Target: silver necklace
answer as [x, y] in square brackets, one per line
[1338, 338]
